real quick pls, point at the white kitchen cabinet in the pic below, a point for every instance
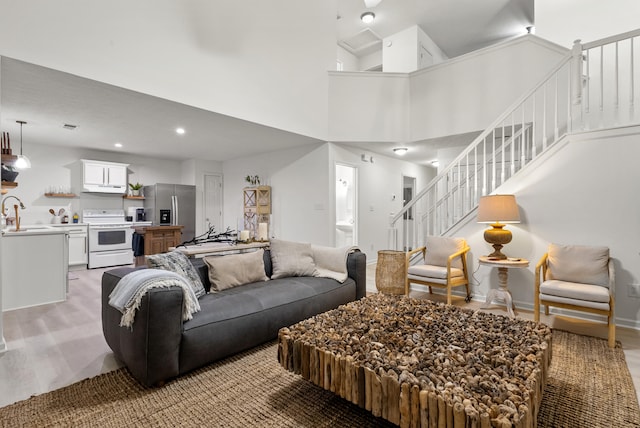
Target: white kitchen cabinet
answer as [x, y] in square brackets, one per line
[104, 177]
[78, 243]
[34, 268]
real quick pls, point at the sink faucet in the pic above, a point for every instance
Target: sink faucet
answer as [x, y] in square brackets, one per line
[3, 221]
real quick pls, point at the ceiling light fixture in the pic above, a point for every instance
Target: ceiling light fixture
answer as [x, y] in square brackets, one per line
[400, 151]
[118, 145]
[368, 17]
[69, 126]
[435, 163]
[22, 162]
[180, 131]
[531, 29]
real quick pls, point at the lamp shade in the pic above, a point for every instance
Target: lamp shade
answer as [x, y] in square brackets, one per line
[498, 209]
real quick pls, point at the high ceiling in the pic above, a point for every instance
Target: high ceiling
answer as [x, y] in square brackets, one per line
[456, 26]
[104, 114]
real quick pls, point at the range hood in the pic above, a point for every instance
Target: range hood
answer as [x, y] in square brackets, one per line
[102, 188]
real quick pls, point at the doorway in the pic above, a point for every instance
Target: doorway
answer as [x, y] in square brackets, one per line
[346, 229]
[213, 202]
[408, 191]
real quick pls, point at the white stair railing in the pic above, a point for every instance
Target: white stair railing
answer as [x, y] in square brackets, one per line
[561, 103]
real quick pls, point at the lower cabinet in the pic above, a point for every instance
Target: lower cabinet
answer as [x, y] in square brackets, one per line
[158, 239]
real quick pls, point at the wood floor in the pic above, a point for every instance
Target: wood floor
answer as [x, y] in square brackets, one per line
[51, 346]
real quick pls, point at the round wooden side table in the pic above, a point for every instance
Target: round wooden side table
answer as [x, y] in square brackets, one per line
[502, 294]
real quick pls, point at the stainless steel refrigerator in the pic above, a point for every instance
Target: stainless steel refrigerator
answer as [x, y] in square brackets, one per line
[171, 204]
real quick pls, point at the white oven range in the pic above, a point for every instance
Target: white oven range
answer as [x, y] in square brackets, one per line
[109, 238]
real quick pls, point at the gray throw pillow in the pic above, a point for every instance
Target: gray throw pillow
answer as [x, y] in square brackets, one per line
[176, 261]
[236, 269]
[291, 259]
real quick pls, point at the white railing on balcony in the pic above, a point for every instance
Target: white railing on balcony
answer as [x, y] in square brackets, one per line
[594, 87]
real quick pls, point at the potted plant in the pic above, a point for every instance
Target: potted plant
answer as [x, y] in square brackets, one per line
[135, 189]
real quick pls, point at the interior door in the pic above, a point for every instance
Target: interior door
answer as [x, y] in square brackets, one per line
[213, 202]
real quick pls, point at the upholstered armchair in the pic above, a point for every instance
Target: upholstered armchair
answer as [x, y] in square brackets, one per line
[443, 264]
[579, 278]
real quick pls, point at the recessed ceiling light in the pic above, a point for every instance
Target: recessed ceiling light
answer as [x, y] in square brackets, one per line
[435, 163]
[180, 131]
[368, 17]
[118, 145]
[400, 150]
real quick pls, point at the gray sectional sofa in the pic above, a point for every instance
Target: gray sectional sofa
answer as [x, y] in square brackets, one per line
[161, 346]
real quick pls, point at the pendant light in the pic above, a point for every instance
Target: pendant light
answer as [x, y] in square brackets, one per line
[22, 162]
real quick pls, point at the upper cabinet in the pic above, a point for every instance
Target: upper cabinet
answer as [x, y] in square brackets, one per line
[104, 177]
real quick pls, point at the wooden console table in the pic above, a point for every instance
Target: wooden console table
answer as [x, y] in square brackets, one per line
[218, 248]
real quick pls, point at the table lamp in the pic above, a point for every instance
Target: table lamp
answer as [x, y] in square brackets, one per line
[498, 210]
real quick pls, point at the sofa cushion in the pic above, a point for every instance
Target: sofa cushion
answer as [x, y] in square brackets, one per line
[579, 263]
[291, 259]
[439, 248]
[176, 261]
[236, 269]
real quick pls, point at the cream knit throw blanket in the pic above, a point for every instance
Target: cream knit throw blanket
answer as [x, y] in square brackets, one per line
[127, 294]
[332, 262]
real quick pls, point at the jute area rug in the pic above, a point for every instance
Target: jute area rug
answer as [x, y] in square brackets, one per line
[589, 386]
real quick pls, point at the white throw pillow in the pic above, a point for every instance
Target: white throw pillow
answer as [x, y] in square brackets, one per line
[439, 248]
[291, 259]
[579, 263]
[236, 269]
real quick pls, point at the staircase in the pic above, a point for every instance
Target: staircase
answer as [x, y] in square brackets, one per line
[594, 87]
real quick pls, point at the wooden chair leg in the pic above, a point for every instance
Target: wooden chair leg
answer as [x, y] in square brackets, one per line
[546, 309]
[430, 290]
[468, 298]
[536, 311]
[612, 333]
[448, 295]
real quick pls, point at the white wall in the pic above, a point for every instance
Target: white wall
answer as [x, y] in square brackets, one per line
[562, 22]
[372, 61]
[580, 195]
[401, 51]
[469, 92]
[461, 95]
[60, 166]
[378, 182]
[299, 180]
[368, 106]
[3, 345]
[244, 58]
[349, 61]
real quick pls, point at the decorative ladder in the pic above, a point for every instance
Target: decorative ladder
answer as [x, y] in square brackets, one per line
[593, 87]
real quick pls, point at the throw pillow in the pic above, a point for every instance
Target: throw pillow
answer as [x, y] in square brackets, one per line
[176, 261]
[236, 269]
[439, 248]
[291, 259]
[579, 263]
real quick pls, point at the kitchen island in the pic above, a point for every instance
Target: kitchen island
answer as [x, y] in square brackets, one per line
[34, 266]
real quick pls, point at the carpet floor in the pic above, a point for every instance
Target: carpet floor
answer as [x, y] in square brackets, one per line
[589, 386]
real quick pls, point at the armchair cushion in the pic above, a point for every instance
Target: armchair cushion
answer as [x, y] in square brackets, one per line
[575, 291]
[547, 298]
[579, 264]
[439, 248]
[423, 272]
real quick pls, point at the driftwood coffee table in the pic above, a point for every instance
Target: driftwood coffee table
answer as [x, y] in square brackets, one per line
[419, 363]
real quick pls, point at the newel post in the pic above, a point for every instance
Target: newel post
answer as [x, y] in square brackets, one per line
[576, 79]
